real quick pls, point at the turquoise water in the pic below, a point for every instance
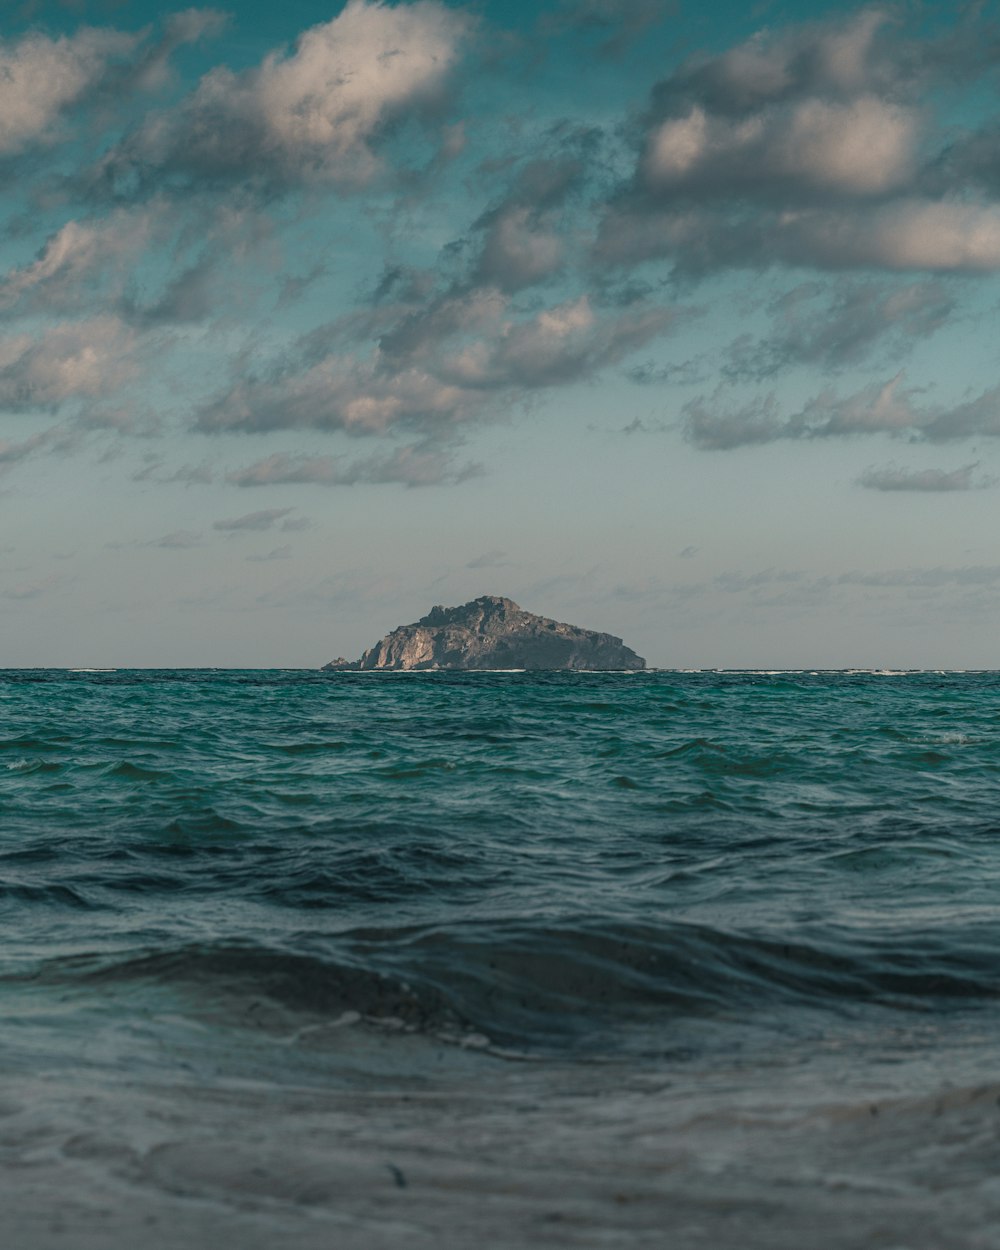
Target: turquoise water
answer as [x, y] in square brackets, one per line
[508, 959]
[557, 861]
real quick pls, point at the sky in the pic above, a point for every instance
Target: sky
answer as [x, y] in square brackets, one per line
[671, 320]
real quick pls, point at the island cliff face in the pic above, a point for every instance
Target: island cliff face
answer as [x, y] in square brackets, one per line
[491, 632]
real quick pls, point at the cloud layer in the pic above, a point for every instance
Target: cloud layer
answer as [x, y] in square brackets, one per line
[338, 238]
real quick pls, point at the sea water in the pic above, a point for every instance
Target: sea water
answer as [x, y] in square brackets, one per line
[500, 959]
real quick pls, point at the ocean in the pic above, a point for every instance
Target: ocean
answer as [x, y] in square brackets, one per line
[504, 960]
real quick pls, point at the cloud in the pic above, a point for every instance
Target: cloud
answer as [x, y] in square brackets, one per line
[833, 58]
[567, 343]
[186, 27]
[799, 114]
[980, 415]
[833, 325]
[339, 392]
[187, 297]
[12, 453]
[34, 589]
[814, 146]
[892, 478]
[859, 147]
[316, 115]
[42, 79]
[45, 81]
[176, 541]
[76, 360]
[495, 559]
[882, 407]
[188, 474]
[256, 521]
[879, 408]
[57, 278]
[276, 553]
[967, 575]
[437, 366]
[410, 466]
[523, 239]
[520, 248]
[619, 21]
[907, 234]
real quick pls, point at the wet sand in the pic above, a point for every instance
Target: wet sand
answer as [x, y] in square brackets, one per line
[488, 1153]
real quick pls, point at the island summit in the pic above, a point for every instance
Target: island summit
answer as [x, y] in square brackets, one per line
[491, 632]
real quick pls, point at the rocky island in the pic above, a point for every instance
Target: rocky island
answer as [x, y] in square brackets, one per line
[491, 632]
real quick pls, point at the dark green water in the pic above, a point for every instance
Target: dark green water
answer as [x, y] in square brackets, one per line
[603, 865]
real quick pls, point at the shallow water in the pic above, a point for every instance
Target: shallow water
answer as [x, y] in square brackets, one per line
[584, 958]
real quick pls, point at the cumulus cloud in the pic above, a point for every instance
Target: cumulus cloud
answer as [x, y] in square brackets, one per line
[59, 276]
[799, 114]
[912, 233]
[893, 477]
[41, 79]
[565, 343]
[256, 521]
[837, 59]
[813, 146]
[522, 240]
[316, 114]
[337, 393]
[905, 234]
[857, 148]
[520, 249]
[45, 80]
[76, 360]
[437, 366]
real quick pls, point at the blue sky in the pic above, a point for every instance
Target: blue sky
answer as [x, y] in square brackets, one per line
[669, 320]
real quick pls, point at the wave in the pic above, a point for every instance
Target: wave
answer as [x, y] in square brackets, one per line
[535, 986]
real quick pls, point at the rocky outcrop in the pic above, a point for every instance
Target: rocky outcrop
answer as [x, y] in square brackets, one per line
[491, 632]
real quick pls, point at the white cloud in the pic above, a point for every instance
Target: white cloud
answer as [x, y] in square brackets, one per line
[936, 236]
[77, 360]
[42, 78]
[315, 114]
[75, 253]
[861, 147]
[438, 366]
[519, 250]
